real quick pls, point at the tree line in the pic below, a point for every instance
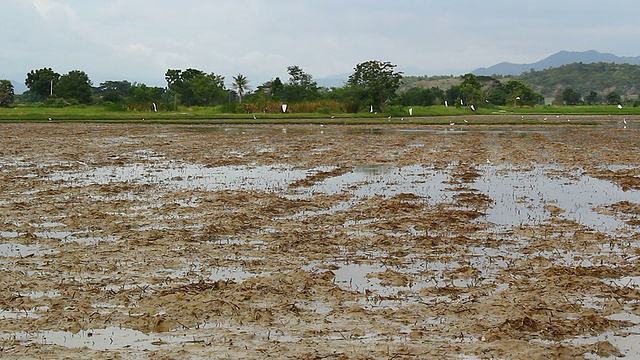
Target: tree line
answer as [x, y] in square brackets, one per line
[373, 86]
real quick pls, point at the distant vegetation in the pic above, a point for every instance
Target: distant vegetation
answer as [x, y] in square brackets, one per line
[601, 78]
[572, 84]
[373, 87]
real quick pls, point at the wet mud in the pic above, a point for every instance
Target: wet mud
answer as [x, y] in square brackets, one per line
[319, 242]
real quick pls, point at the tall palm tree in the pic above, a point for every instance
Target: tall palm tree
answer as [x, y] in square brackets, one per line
[241, 84]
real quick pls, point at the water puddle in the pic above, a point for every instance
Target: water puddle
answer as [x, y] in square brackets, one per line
[19, 250]
[626, 340]
[519, 197]
[111, 338]
[189, 176]
[522, 197]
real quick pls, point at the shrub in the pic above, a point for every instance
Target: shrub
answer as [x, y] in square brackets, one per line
[114, 106]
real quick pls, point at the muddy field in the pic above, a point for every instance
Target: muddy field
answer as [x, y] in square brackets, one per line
[320, 242]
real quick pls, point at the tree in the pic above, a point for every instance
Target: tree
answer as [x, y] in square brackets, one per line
[470, 89]
[452, 95]
[195, 87]
[300, 87]
[375, 83]
[497, 96]
[41, 82]
[521, 94]
[143, 94]
[7, 94]
[592, 98]
[114, 90]
[418, 97]
[571, 97]
[240, 84]
[272, 90]
[613, 98]
[75, 85]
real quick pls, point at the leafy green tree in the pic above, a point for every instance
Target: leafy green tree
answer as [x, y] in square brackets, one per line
[470, 89]
[75, 85]
[272, 90]
[300, 87]
[114, 91]
[375, 83]
[521, 94]
[240, 85]
[7, 94]
[592, 98]
[143, 94]
[571, 97]
[418, 97]
[276, 89]
[614, 98]
[497, 96]
[452, 95]
[196, 88]
[42, 82]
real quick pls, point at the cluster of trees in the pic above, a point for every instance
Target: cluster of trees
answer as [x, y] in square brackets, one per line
[374, 84]
[607, 80]
[45, 83]
[474, 90]
[75, 87]
[569, 96]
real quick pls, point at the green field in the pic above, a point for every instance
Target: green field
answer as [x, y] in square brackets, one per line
[421, 115]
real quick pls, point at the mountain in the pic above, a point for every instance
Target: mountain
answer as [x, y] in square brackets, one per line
[558, 59]
[18, 86]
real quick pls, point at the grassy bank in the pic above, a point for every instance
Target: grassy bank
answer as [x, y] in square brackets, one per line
[432, 115]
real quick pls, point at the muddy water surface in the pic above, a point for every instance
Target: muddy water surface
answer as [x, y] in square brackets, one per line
[166, 241]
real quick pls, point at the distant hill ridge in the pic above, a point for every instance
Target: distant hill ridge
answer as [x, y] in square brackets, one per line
[556, 60]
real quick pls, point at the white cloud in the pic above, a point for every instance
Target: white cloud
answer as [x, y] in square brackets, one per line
[51, 10]
[138, 49]
[118, 39]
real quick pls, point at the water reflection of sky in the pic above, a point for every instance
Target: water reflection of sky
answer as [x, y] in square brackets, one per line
[521, 196]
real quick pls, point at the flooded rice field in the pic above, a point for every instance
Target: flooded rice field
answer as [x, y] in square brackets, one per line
[319, 242]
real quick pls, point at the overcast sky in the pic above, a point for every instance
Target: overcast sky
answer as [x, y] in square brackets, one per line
[138, 40]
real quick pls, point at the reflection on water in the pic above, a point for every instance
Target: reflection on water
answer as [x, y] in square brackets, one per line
[96, 339]
[521, 196]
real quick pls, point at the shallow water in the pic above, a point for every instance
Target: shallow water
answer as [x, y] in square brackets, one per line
[110, 338]
[520, 196]
[174, 230]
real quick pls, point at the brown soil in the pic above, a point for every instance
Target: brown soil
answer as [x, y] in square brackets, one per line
[254, 273]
